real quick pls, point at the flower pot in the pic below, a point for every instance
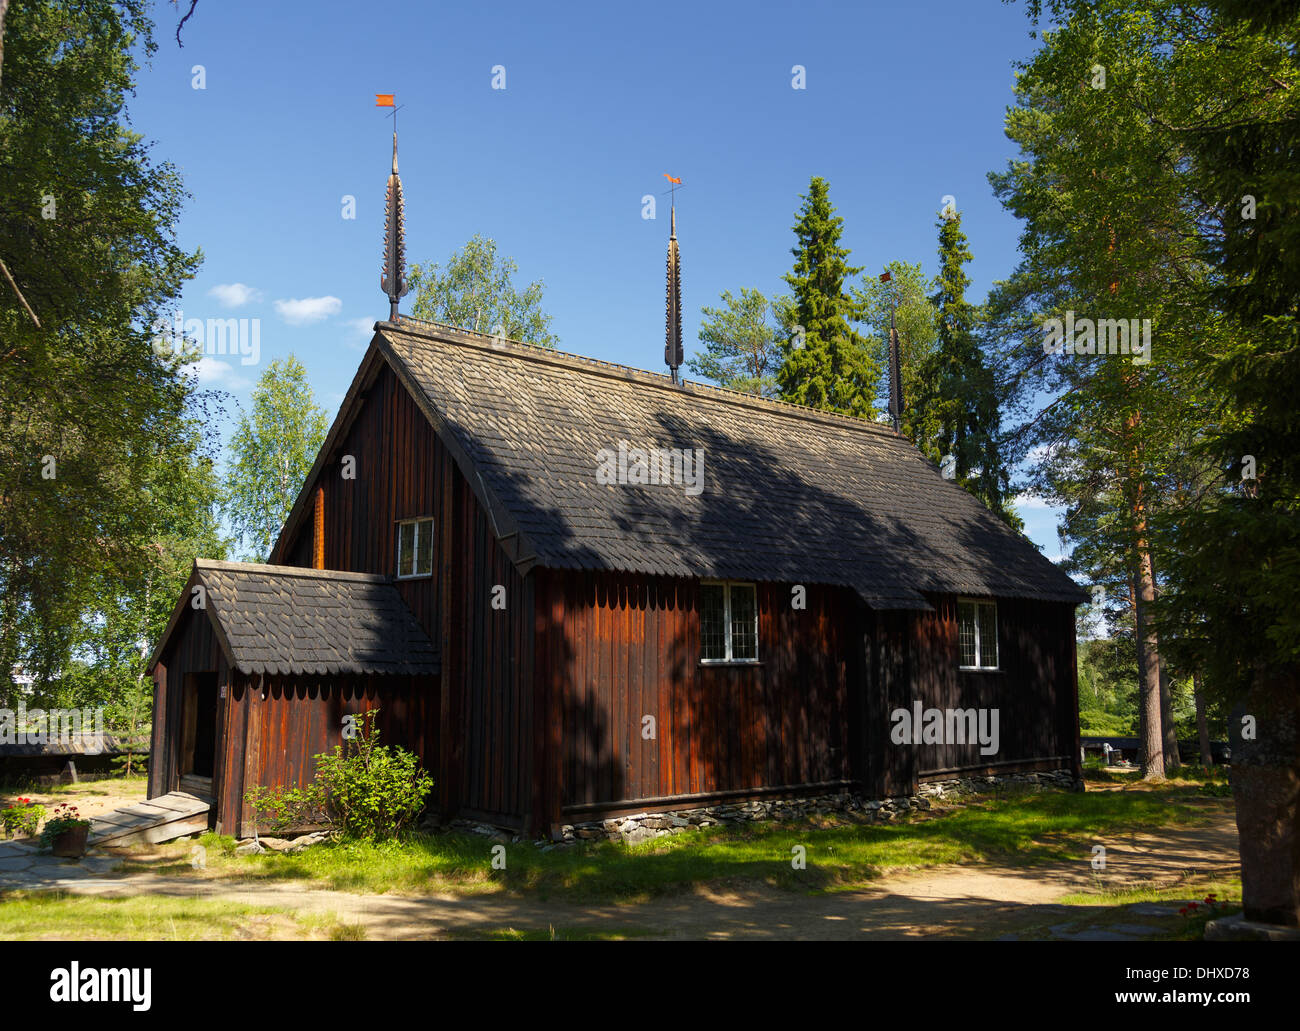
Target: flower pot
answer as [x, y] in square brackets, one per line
[71, 843]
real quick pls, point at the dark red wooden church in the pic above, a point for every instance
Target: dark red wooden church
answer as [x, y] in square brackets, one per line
[578, 589]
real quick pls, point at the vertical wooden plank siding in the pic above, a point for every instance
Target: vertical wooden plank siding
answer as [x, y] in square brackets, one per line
[279, 724]
[1033, 688]
[494, 608]
[402, 471]
[396, 471]
[814, 712]
[629, 648]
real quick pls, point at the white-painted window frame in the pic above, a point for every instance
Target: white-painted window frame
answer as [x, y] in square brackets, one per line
[418, 523]
[730, 660]
[979, 666]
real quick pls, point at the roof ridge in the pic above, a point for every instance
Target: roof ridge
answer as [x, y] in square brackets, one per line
[220, 565]
[536, 352]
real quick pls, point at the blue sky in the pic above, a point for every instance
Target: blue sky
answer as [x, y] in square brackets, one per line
[904, 104]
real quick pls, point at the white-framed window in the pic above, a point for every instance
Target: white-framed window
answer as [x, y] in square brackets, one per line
[728, 622]
[414, 548]
[977, 633]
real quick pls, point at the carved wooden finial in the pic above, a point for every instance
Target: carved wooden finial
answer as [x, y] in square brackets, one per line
[673, 353]
[392, 279]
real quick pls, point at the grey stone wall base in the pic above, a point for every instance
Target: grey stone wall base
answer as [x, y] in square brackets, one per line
[942, 788]
[1237, 928]
[641, 827]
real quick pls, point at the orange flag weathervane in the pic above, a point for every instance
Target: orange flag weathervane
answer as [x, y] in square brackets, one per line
[384, 100]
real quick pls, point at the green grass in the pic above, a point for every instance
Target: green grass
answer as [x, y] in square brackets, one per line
[1225, 889]
[1110, 907]
[1211, 781]
[1199, 774]
[28, 916]
[1015, 831]
[331, 927]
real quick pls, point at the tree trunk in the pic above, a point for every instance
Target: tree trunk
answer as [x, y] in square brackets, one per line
[4, 10]
[1144, 576]
[1266, 787]
[1202, 724]
[1172, 761]
[1153, 745]
[1167, 725]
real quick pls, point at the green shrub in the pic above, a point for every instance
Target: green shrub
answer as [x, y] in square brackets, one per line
[364, 789]
[280, 810]
[373, 791]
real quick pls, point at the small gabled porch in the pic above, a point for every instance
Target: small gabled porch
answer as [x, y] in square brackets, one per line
[260, 666]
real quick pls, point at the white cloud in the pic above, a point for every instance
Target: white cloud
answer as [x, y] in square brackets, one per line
[1028, 501]
[299, 312]
[361, 330]
[235, 295]
[213, 373]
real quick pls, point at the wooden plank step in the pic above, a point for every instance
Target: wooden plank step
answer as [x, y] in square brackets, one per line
[183, 800]
[147, 809]
[173, 815]
[177, 803]
[152, 809]
[157, 833]
[119, 819]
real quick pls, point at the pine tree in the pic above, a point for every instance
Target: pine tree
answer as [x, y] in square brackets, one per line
[826, 364]
[740, 343]
[1236, 560]
[906, 295]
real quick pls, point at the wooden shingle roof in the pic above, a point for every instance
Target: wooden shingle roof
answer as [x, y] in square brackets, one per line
[788, 494]
[289, 620]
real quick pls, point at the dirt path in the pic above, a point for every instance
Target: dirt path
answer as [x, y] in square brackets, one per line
[966, 901]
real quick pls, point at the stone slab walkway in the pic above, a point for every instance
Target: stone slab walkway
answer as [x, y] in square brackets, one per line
[22, 865]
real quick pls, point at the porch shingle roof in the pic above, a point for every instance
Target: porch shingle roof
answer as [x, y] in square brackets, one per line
[289, 620]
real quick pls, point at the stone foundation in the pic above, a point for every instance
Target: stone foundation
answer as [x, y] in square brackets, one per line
[641, 827]
[943, 788]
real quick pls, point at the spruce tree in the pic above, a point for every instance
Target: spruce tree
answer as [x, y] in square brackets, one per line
[827, 365]
[967, 402]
